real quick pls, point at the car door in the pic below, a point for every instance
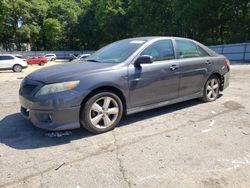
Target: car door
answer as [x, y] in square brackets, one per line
[32, 60]
[6, 61]
[2, 63]
[195, 66]
[156, 82]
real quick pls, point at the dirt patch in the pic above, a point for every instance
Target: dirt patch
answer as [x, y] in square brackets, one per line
[232, 105]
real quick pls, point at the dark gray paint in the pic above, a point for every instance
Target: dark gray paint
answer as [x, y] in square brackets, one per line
[145, 87]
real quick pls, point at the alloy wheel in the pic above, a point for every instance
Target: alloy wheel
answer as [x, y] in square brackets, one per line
[104, 112]
[212, 89]
[17, 68]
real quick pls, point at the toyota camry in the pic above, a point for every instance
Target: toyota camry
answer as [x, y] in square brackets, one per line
[125, 77]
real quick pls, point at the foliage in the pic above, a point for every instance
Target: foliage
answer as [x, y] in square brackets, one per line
[90, 24]
[52, 31]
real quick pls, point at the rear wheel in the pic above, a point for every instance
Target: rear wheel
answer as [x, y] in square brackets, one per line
[211, 89]
[102, 112]
[17, 68]
[41, 63]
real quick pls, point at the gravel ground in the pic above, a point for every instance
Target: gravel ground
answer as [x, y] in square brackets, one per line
[191, 144]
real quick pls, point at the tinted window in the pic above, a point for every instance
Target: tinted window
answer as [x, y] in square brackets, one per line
[6, 57]
[188, 49]
[19, 56]
[117, 52]
[160, 50]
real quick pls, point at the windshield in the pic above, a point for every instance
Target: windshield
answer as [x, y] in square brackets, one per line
[116, 52]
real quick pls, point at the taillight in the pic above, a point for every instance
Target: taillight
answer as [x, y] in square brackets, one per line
[227, 62]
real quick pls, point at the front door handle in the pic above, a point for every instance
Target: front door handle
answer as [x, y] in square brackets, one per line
[208, 62]
[173, 67]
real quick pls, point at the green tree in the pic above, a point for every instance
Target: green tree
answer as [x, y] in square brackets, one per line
[90, 24]
[66, 12]
[4, 34]
[52, 33]
[151, 18]
[17, 14]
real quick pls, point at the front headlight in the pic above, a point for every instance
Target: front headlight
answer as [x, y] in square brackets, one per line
[57, 87]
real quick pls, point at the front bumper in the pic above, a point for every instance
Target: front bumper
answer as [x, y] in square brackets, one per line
[50, 119]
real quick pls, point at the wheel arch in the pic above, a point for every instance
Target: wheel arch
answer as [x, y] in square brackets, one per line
[107, 88]
[17, 64]
[220, 77]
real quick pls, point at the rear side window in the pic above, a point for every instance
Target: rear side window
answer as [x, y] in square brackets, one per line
[160, 50]
[188, 49]
[6, 57]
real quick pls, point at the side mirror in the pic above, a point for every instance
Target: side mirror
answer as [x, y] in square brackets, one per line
[144, 59]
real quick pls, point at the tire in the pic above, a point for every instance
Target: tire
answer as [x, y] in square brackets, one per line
[42, 63]
[17, 68]
[98, 117]
[211, 89]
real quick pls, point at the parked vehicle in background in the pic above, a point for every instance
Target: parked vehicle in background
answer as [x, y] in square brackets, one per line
[18, 56]
[125, 77]
[10, 62]
[81, 57]
[37, 60]
[72, 57]
[51, 57]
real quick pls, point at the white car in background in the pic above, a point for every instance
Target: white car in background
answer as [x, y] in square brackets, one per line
[10, 62]
[81, 57]
[51, 57]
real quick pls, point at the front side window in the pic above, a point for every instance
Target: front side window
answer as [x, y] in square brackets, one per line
[188, 49]
[160, 50]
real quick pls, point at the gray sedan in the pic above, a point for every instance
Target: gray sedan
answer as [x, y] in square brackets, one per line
[125, 77]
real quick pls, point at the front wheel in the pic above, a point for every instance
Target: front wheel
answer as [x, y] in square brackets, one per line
[17, 68]
[102, 112]
[211, 89]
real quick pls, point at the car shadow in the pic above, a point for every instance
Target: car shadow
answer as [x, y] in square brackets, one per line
[18, 133]
[158, 111]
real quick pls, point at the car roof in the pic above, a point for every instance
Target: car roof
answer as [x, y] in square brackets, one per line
[6, 55]
[148, 38]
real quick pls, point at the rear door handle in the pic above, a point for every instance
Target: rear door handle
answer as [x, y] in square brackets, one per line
[173, 67]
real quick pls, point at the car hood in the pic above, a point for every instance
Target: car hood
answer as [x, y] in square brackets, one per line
[67, 72]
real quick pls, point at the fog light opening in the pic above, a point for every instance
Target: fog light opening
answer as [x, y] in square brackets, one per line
[46, 118]
[50, 117]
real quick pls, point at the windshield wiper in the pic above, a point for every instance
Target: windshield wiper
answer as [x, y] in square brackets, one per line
[93, 60]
